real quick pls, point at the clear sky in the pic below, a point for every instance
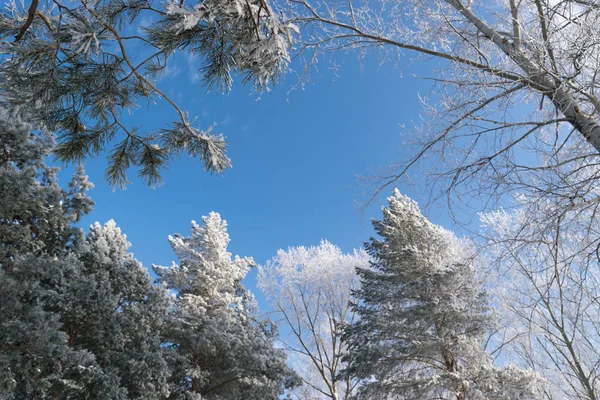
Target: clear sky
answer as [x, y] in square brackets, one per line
[296, 156]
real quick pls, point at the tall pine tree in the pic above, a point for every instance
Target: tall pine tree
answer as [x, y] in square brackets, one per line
[36, 233]
[114, 311]
[423, 317]
[218, 348]
[79, 318]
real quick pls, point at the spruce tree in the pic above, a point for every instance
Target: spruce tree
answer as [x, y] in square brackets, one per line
[36, 214]
[423, 317]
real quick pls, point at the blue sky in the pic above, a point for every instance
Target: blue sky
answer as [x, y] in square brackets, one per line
[296, 156]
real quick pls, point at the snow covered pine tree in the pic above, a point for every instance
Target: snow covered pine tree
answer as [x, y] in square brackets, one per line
[423, 317]
[35, 230]
[218, 348]
[79, 317]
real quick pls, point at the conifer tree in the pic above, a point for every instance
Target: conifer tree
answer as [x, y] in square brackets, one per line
[115, 312]
[423, 317]
[79, 318]
[218, 347]
[36, 214]
[36, 233]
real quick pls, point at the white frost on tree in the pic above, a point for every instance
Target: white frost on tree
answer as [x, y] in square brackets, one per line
[423, 317]
[114, 311]
[516, 88]
[79, 317]
[77, 68]
[311, 290]
[545, 280]
[218, 348]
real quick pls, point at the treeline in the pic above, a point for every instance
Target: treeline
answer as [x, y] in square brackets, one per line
[80, 317]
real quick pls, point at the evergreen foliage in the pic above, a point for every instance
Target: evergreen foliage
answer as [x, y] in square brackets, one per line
[80, 317]
[218, 347]
[76, 67]
[423, 317]
[36, 215]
